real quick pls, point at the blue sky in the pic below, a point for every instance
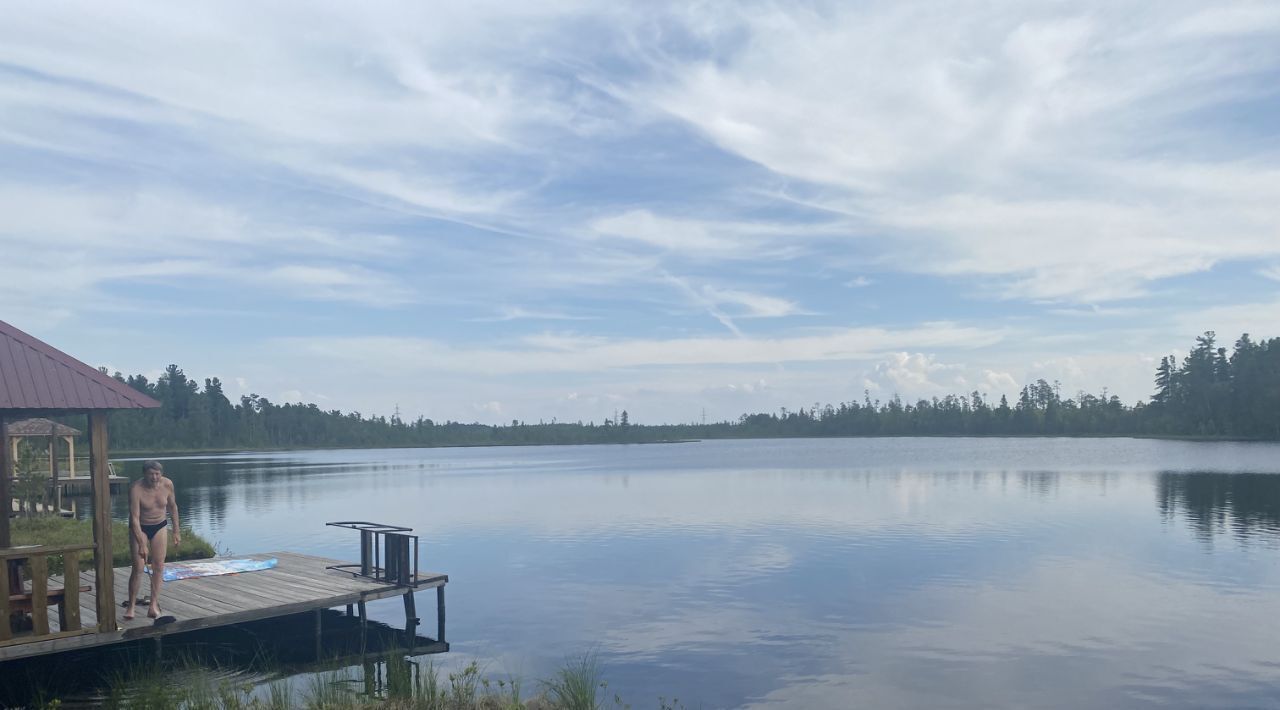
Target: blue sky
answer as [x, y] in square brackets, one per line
[493, 211]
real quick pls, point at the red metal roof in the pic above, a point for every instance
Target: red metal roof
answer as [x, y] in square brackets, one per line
[34, 375]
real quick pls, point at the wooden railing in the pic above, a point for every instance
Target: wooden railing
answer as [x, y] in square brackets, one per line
[15, 597]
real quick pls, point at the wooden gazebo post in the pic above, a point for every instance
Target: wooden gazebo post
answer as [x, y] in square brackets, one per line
[103, 570]
[5, 495]
[53, 469]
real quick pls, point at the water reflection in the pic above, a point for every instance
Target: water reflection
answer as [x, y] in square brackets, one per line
[827, 573]
[252, 653]
[1245, 505]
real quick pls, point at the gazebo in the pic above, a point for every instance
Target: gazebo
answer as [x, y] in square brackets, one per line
[53, 431]
[39, 427]
[39, 380]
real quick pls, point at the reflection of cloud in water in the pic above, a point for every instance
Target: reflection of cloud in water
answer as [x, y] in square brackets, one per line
[690, 501]
[763, 559]
[1067, 633]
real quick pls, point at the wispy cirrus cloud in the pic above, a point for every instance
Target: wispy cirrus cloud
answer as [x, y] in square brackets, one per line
[753, 305]
[1271, 272]
[568, 352]
[711, 238]
[87, 241]
[512, 313]
[983, 140]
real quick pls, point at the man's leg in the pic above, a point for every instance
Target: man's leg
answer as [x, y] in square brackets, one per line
[135, 576]
[159, 545]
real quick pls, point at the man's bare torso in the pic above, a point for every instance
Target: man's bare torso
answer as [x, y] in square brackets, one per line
[153, 501]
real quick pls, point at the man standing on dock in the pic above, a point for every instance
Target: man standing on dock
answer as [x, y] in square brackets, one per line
[150, 498]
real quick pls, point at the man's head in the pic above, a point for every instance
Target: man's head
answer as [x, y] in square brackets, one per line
[152, 472]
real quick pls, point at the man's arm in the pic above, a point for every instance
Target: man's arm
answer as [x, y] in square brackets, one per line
[135, 518]
[173, 513]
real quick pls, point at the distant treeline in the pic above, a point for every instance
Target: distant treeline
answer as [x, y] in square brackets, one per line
[1209, 393]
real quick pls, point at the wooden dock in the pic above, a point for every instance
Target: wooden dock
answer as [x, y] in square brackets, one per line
[42, 508]
[299, 583]
[82, 484]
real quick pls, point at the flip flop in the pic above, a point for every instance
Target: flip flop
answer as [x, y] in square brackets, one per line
[145, 601]
[164, 620]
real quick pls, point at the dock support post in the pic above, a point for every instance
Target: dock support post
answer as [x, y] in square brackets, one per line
[318, 618]
[350, 610]
[411, 620]
[440, 614]
[364, 626]
[158, 644]
[370, 684]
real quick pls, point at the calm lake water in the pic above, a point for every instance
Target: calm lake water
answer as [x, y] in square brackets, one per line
[881, 573]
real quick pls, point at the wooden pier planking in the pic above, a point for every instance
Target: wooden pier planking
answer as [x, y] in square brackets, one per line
[298, 583]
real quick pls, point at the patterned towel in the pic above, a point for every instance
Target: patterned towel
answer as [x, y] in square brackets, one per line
[174, 571]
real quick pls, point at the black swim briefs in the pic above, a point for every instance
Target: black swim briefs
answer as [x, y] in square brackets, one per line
[151, 530]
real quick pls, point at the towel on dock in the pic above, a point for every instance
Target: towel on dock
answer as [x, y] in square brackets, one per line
[174, 571]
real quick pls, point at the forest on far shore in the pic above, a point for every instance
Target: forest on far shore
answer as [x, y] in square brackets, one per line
[1210, 393]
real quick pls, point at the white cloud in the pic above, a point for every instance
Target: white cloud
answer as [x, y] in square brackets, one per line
[569, 353]
[1259, 318]
[1241, 19]
[88, 240]
[918, 372]
[492, 407]
[921, 375]
[709, 238]
[754, 305]
[643, 226]
[988, 139]
[1126, 375]
[298, 72]
[337, 283]
[510, 313]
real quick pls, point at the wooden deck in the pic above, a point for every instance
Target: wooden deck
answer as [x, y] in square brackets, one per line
[81, 482]
[298, 583]
[15, 507]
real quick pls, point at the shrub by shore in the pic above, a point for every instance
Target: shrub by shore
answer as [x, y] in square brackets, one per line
[54, 530]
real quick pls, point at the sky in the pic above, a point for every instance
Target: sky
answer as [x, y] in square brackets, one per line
[487, 211]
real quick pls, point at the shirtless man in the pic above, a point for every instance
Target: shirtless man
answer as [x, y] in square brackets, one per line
[149, 499]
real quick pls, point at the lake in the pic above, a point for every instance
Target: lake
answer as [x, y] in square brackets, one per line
[938, 572]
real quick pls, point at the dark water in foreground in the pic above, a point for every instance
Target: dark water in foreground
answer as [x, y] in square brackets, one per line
[944, 573]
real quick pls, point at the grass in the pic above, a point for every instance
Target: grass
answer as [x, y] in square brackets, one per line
[186, 685]
[54, 530]
[575, 685]
[408, 685]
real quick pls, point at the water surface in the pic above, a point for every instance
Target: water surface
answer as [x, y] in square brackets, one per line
[942, 572]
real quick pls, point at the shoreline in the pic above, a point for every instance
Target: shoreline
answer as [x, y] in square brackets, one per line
[141, 453]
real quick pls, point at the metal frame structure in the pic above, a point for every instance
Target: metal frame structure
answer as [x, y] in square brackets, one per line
[394, 561]
[387, 553]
